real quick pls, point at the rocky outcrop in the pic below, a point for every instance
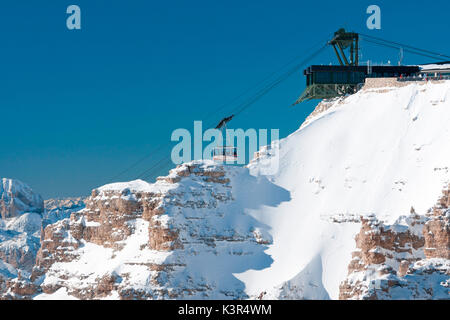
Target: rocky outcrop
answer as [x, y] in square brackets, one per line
[406, 260]
[20, 288]
[437, 229]
[165, 240]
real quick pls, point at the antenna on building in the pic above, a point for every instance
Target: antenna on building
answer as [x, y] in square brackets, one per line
[400, 56]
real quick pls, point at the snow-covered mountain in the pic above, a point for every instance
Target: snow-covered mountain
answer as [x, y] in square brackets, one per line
[358, 209]
[24, 214]
[20, 226]
[183, 237]
[58, 209]
[17, 198]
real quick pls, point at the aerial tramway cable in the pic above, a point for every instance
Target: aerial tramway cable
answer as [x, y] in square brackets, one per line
[161, 147]
[279, 80]
[400, 45]
[406, 50]
[244, 105]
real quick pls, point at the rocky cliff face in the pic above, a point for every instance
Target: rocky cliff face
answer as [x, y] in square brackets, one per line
[406, 260]
[182, 237]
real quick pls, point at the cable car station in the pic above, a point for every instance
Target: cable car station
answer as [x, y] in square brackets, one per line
[325, 82]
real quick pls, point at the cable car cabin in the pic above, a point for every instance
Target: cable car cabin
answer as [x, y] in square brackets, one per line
[225, 154]
[325, 82]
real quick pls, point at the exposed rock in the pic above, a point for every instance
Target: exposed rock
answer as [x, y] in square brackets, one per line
[20, 289]
[437, 229]
[407, 260]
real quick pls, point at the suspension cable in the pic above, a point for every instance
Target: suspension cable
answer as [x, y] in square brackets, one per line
[406, 50]
[398, 45]
[149, 172]
[240, 108]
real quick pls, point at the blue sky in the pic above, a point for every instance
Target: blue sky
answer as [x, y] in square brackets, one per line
[78, 107]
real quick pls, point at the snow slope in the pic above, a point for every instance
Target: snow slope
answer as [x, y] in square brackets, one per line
[377, 151]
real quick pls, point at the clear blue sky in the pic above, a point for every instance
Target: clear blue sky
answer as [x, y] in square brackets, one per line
[78, 107]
